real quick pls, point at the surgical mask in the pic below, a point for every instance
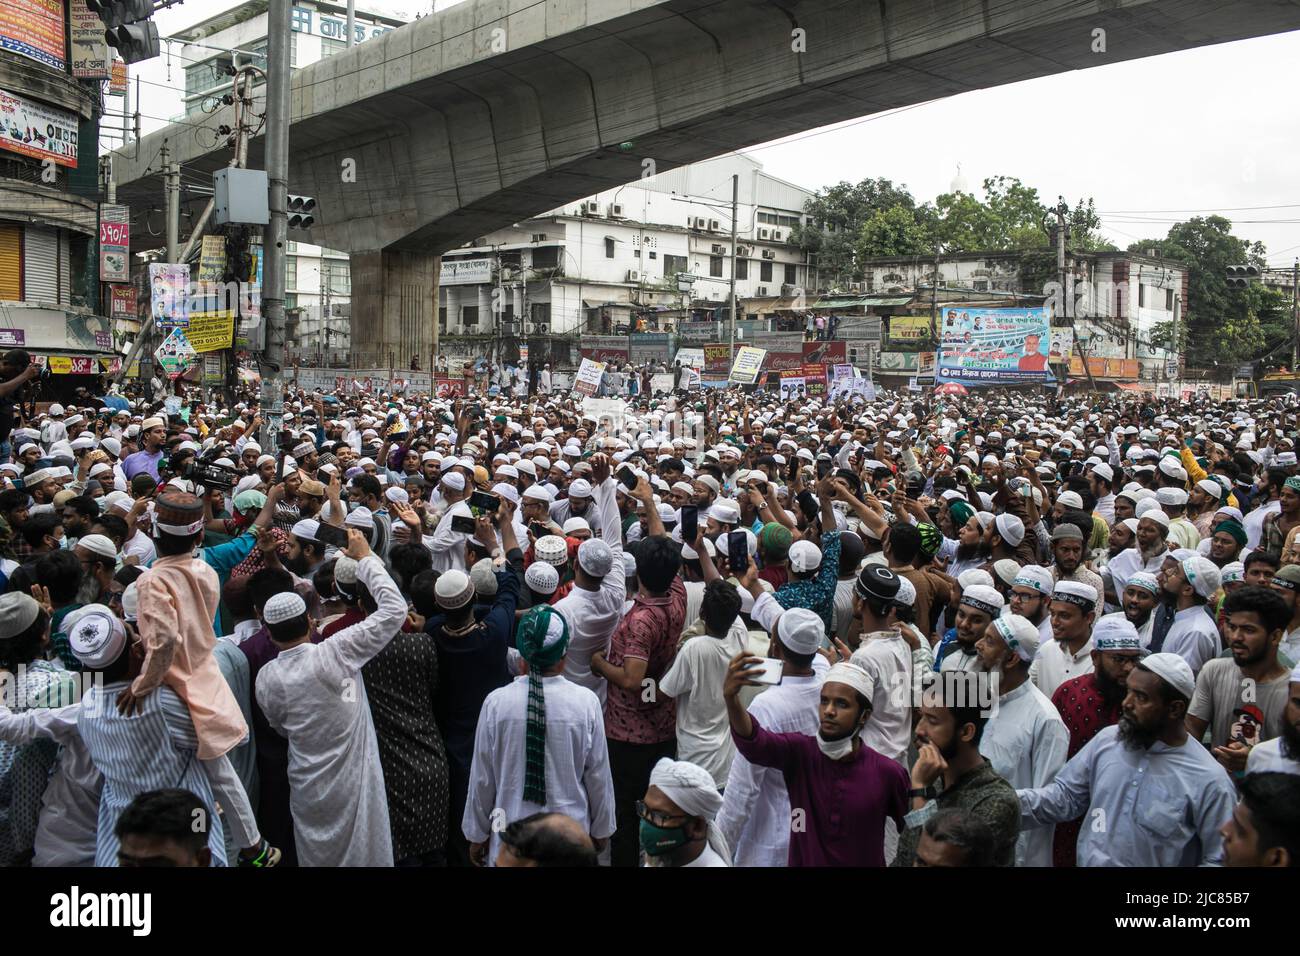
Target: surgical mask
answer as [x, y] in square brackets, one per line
[656, 841]
[836, 749]
[63, 542]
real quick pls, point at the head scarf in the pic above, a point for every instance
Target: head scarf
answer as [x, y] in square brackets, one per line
[1233, 528]
[691, 788]
[961, 512]
[775, 540]
[542, 639]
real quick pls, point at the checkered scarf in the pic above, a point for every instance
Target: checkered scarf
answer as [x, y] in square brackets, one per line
[542, 638]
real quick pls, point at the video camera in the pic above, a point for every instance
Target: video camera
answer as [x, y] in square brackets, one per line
[204, 472]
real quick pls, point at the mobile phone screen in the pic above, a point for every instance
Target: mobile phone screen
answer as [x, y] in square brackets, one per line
[768, 672]
[628, 477]
[482, 503]
[332, 535]
[737, 552]
[690, 523]
[462, 523]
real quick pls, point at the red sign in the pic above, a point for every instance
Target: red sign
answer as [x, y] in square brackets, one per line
[717, 359]
[825, 353]
[444, 387]
[814, 377]
[784, 361]
[123, 302]
[605, 355]
[115, 233]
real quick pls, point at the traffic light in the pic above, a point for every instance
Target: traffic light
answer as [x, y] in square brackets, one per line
[1239, 276]
[129, 29]
[301, 209]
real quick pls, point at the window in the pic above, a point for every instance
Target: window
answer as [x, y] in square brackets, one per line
[291, 300]
[673, 265]
[336, 276]
[765, 271]
[329, 47]
[469, 315]
[653, 254]
[546, 257]
[1169, 300]
[790, 274]
[742, 268]
[291, 272]
[715, 266]
[981, 285]
[609, 247]
[1142, 296]
[442, 319]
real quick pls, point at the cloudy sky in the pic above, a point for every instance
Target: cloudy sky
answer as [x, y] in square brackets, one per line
[1205, 131]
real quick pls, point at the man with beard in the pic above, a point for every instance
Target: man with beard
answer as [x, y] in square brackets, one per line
[1089, 703]
[979, 605]
[306, 552]
[1265, 826]
[1140, 600]
[1153, 796]
[577, 505]
[1188, 587]
[1025, 740]
[153, 436]
[1202, 502]
[1031, 593]
[1282, 753]
[972, 550]
[1181, 532]
[1286, 582]
[1068, 555]
[1226, 542]
[1123, 535]
[1256, 619]
[1069, 654]
[1148, 553]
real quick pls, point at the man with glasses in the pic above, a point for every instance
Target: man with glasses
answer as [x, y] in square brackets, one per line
[676, 817]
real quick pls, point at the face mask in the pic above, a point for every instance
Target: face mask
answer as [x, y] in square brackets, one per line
[63, 542]
[836, 749]
[656, 841]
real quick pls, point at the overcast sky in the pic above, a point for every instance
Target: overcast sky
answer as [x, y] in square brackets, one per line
[1152, 141]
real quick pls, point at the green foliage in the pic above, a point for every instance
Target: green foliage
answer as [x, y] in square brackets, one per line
[892, 232]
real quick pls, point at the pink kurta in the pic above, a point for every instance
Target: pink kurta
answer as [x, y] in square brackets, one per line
[178, 599]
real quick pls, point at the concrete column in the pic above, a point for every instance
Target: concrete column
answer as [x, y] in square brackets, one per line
[392, 307]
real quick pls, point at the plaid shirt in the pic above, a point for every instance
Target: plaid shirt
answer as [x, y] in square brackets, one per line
[649, 631]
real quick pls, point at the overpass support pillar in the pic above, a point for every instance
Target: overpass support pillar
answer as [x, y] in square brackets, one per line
[393, 308]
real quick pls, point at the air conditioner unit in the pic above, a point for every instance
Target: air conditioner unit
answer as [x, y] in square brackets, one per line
[787, 289]
[715, 225]
[765, 233]
[762, 290]
[633, 275]
[769, 254]
[698, 222]
[744, 252]
[855, 286]
[719, 249]
[616, 210]
[776, 235]
[542, 327]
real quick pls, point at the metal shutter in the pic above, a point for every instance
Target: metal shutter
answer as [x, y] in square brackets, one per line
[65, 268]
[11, 263]
[41, 265]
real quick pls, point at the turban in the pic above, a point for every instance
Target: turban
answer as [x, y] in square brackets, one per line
[1233, 528]
[542, 638]
[775, 539]
[961, 512]
[692, 788]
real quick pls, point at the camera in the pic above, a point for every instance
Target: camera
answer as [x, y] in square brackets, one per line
[209, 475]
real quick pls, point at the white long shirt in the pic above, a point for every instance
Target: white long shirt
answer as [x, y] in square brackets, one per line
[1054, 665]
[1193, 636]
[448, 546]
[1269, 758]
[593, 615]
[695, 681]
[1128, 563]
[1027, 742]
[1160, 807]
[887, 658]
[578, 779]
[1254, 523]
[314, 695]
[755, 814]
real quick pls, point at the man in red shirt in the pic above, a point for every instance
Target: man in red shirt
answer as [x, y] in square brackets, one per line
[641, 723]
[1033, 360]
[1092, 701]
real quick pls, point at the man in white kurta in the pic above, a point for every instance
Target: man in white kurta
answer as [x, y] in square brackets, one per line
[886, 656]
[314, 696]
[1025, 739]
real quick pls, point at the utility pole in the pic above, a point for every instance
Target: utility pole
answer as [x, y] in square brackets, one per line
[275, 235]
[172, 179]
[1067, 287]
[1178, 303]
[735, 194]
[1295, 315]
[352, 22]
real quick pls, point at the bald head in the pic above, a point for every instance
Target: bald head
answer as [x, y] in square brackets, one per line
[546, 839]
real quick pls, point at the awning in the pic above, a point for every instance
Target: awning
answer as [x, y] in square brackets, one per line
[774, 304]
[1133, 387]
[853, 301]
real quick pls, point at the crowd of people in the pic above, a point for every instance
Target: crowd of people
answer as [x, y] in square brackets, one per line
[717, 628]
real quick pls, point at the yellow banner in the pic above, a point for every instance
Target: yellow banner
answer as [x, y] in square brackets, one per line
[210, 331]
[909, 326]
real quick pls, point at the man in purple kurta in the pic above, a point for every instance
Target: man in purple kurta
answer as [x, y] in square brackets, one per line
[841, 791]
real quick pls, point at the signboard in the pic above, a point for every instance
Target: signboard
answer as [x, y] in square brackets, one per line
[34, 29]
[983, 346]
[168, 294]
[661, 383]
[749, 362]
[587, 381]
[104, 340]
[72, 364]
[1062, 345]
[117, 83]
[909, 328]
[36, 130]
[90, 59]
[717, 359]
[316, 23]
[212, 259]
[777, 341]
[693, 357]
[1125, 369]
[446, 387]
[605, 348]
[175, 356]
[1171, 367]
[210, 331]
[825, 353]
[648, 347]
[905, 361]
[465, 271]
[814, 377]
[784, 361]
[792, 387]
[13, 337]
[110, 366]
[212, 371]
[114, 243]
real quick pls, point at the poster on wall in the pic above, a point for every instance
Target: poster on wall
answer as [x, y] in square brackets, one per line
[749, 361]
[34, 29]
[117, 82]
[169, 294]
[90, 56]
[114, 243]
[36, 130]
[123, 302]
[983, 346]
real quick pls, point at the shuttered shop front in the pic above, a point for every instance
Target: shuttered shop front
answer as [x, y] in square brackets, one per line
[41, 265]
[11, 263]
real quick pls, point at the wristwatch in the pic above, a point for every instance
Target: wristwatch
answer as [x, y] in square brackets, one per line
[927, 793]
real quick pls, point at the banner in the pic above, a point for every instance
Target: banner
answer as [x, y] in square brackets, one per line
[693, 357]
[117, 83]
[661, 383]
[90, 59]
[605, 348]
[213, 373]
[648, 347]
[169, 302]
[792, 387]
[34, 29]
[36, 130]
[717, 359]
[983, 346]
[175, 356]
[1062, 346]
[825, 353]
[587, 381]
[1124, 369]
[465, 271]
[212, 259]
[72, 365]
[114, 243]
[13, 337]
[446, 387]
[814, 377]
[843, 371]
[749, 362]
[210, 331]
[909, 328]
[784, 361]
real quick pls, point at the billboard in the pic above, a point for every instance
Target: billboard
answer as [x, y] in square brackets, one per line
[465, 271]
[825, 353]
[717, 359]
[909, 328]
[169, 294]
[984, 346]
[36, 130]
[34, 29]
[114, 243]
[605, 348]
[1125, 369]
[90, 56]
[749, 361]
[784, 361]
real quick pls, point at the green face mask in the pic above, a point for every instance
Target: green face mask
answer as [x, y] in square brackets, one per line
[657, 841]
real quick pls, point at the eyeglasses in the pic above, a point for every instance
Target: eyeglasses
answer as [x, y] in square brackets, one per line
[657, 817]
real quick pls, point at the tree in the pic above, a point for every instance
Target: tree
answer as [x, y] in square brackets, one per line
[893, 232]
[839, 213]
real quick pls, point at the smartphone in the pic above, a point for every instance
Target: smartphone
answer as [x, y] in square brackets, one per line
[807, 504]
[824, 467]
[537, 529]
[690, 523]
[483, 503]
[463, 523]
[737, 552]
[768, 672]
[332, 535]
[627, 477]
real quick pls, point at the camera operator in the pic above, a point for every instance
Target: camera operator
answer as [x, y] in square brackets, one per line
[16, 370]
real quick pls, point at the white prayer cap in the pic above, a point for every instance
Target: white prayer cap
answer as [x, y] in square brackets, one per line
[1145, 580]
[1169, 465]
[1202, 574]
[98, 544]
[507, 471]
[1231, 572]
[1211, 488]
[580, 488]
[985, 518]
[687, 785]
[594, 556]
[1153, 513]
[725, 511]
[305, 529]
[1115, 632]
[1173, 670]
[483, 575]
[360, 518]
[708, 481]
[539, 493]
[1076, 593]
[852, 675]
[1035, 577]
[1020, 634]
[974, 576]
[130, 602]
[1071, 499]
[282, 607]
[95, 636]
[1105, 471]
[551, 549]
[804, 556]
[345, 570]
[1010, 528]
[801, 630]
[541, 577]
[982, 598]
[454, 480]
[1007, 570]
[1174, 497]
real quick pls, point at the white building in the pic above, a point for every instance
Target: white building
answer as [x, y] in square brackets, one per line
[598, 264]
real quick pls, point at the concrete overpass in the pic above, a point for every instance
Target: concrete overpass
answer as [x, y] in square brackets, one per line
[494, 110]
